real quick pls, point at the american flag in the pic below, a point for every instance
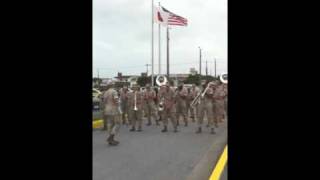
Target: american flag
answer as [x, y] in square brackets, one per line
[174, 19]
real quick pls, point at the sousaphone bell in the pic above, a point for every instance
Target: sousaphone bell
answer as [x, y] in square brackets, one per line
[224, 78]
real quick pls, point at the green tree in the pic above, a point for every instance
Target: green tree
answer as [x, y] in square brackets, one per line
[143, 80]
[193, 79]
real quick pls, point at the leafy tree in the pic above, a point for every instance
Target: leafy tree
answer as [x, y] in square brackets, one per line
[143, 80]
[193, 79]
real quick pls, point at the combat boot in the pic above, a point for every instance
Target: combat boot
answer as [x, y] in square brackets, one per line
[212, 131]
[199, 130]
[164, 129]
[133, 128]
[157, 123]
[109, 139]
[114, 142]
[139, 129]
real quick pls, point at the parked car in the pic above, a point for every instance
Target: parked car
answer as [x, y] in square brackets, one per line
[96, 102]
[95, 92]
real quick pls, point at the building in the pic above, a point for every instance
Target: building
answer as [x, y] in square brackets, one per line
[131, 79]
[193, 71]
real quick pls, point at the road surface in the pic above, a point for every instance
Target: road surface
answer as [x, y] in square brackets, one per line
[152, 155]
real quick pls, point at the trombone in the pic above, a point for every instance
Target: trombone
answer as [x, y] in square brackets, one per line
[196, 100]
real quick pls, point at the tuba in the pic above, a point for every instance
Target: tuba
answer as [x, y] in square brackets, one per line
[161, 81]
[224, 78]
[161, 104]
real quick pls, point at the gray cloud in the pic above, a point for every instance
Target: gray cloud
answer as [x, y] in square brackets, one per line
[122, 36]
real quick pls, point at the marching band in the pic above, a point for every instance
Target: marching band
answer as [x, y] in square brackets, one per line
[128, 106]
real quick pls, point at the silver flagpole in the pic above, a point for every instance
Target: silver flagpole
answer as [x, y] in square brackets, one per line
[168, 64]
[152, 65]
[159, 72]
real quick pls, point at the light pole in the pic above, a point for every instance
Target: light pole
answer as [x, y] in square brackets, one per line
[200, 61]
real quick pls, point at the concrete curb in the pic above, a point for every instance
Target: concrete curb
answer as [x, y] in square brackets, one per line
[203, 170]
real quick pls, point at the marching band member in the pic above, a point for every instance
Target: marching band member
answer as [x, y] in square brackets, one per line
[111, 113]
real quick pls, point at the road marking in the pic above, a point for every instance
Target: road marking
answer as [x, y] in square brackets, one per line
[220, 165]
[97, 123]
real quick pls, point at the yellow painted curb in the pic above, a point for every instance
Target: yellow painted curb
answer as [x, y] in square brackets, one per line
[220, 165]
[97, 123]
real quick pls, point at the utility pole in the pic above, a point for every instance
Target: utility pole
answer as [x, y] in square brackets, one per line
[200, 62]
[98, 79]
[147, 68]
[215, 68]
[206, 68]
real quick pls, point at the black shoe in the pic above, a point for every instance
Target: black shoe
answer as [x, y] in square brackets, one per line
[186, 124]
[139, 129]
[115, 142]
[207, 125]
[157, 123]
[110, 138]
[133, 129]
[164, 129]
[175, 130]
[199, 130]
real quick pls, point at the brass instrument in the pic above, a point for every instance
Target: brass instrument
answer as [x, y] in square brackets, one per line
[161, 104]
[196, 100]
[161, 81]
[118, 100]
[135, 101]
[224, 78]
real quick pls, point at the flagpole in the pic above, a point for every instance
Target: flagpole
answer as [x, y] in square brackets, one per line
[159, 72]
[168, 72]
[152, 53]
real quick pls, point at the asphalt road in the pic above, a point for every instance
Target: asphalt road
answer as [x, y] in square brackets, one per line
[152, 155]
[224, 175]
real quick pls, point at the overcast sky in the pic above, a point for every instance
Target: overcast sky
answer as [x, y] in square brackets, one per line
[122, 36]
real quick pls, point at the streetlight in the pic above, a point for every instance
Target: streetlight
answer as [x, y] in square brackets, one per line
[200, 61]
